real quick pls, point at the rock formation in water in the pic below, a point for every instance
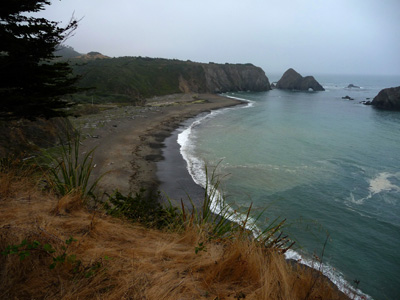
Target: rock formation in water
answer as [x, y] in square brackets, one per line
[291, 80]
[388, 99]
[352, 86]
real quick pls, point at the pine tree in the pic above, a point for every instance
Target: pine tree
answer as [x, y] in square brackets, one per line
[31, 81]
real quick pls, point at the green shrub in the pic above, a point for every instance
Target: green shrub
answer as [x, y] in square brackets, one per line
[143, 208]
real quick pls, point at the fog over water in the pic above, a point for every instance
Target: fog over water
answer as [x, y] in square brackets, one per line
[313, 37]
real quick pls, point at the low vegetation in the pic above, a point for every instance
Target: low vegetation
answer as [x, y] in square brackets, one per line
[54, 247]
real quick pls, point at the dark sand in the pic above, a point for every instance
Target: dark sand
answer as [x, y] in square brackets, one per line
[129, 140]
[175, 180]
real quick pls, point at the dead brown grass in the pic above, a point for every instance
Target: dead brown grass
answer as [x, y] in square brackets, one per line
[133, 262]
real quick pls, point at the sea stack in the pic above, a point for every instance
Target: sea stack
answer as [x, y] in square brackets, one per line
[388, 99]
[291, 80]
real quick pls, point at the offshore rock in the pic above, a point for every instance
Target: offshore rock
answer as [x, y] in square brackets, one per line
[388, 99]
[352, 86]
[291, 80]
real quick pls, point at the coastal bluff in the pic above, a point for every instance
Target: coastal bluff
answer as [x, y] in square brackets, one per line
[388, 99]
[291, 80]
[135, 78]
[221, 78]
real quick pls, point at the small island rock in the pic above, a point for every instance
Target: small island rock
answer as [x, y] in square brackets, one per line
[352, 86]
[347, 98]
[291, 80]
[388, 99]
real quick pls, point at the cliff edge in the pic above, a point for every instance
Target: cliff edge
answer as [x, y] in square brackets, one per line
[230, 77]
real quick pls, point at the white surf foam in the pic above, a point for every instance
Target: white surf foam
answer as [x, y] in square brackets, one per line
[195, 165]
[197, 168]
[333, 274]
[361, 201]
[382, 183]
[249, 102]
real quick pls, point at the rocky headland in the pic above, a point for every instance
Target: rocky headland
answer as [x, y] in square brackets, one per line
[136, 78]
[388, 99]
[291, 80]
[221, 78]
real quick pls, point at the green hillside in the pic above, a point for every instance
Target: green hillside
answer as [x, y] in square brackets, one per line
[132, 79]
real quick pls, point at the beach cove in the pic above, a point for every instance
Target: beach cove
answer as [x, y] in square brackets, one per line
[128, 140]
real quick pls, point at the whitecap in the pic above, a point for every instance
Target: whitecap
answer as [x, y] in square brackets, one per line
[359, 201]
[381, 183]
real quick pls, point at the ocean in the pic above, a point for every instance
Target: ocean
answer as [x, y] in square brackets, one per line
[329, 166]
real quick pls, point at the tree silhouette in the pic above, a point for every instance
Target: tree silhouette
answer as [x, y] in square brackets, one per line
[31, 81]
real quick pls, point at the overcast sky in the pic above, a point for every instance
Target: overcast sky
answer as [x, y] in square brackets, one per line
[311, 36]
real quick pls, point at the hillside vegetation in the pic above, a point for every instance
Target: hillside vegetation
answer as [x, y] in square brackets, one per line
[132, 79]
[55, 248]
[129, 78]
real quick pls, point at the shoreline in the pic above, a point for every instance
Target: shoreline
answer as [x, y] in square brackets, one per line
[182, 185]
[129, 140]
[159, 121]
[175, 181]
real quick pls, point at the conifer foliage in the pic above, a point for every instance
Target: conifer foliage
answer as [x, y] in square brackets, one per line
[31, 82]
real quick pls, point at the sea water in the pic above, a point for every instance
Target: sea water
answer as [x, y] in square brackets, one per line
[329, 166]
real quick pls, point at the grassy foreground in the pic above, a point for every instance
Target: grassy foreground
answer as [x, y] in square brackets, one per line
[55, 247]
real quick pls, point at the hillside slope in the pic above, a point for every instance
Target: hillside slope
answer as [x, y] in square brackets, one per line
[135, 78]
[99, 257]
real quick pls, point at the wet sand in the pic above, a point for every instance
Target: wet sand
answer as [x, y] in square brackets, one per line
[128, 140]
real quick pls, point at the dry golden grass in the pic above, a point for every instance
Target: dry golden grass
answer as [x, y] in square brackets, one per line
[133, 262]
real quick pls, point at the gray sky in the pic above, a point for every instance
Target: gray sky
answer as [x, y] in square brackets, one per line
[311, 36]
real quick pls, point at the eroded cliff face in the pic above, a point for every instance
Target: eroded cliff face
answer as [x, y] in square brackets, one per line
[221, 78]
[235, 77]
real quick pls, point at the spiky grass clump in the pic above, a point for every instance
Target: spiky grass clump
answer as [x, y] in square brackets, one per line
[69, 172]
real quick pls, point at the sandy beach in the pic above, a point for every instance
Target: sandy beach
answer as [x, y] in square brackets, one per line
[128, 140]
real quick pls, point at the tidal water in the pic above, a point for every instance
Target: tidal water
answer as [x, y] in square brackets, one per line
[330, 167]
